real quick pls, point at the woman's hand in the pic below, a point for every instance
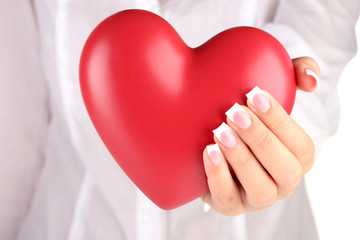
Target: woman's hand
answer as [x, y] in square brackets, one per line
[263, 147]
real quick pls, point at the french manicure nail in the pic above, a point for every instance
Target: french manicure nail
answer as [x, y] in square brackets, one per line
[214, 153]
[225, 135]
[239, 116]
[258, 99]
[206, 207]
[311, 73]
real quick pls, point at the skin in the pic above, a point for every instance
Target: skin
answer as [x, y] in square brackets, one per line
[269, 159]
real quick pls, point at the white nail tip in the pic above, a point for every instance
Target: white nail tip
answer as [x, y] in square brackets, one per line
[222, 128]
[206, 207]
[214, 147]
[310, 72]
[250, 95]
[230, 113]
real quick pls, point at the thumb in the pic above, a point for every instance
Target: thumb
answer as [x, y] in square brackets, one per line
[307, 73]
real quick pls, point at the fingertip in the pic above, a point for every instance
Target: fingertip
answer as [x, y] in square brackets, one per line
[212, 158]
[307, 74]
[313, 76]
[206, 199]
[214, 154]
[206, 159]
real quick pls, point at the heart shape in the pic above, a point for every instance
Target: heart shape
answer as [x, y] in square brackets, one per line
[154, 101]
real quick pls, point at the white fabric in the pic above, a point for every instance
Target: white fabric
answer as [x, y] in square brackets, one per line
[58, 181]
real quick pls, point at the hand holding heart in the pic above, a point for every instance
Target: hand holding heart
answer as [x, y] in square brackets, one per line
[266, 150]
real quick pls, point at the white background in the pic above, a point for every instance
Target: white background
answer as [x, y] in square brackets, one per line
[334, 182]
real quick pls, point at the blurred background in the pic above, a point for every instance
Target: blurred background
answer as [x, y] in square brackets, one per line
[334, 182]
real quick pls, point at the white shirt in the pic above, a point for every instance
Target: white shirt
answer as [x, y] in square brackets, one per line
[57, 179]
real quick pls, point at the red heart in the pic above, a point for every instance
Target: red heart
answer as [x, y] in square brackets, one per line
[154, 101]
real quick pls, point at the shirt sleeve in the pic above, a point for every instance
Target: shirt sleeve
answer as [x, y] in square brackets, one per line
[23, 113]
[324, 30]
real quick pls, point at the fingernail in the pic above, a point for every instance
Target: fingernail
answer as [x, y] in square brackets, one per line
[206, 207]
[239, 116]
[313, 74]
[225, 135]
[214, 153]
[258, 99]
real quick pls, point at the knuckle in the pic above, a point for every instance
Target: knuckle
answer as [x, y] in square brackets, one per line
[265, 198]
[242, 160]
[306, 154]
[226, 202]
[232, 212]
[308, 146]
[293, 178]
[308, 165]
[228, 206]
[280, 123]
[263, 140]
[286, 195]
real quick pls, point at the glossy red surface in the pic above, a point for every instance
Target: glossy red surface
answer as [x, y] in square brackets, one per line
[154, 101]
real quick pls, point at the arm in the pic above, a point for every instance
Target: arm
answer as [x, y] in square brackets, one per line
[23, 114]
